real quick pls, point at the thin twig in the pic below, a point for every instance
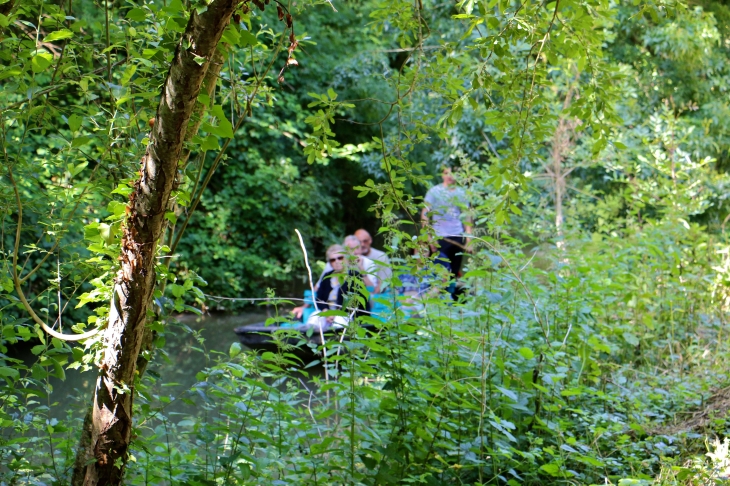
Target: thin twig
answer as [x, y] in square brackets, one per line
[16, 279]
[309, 269]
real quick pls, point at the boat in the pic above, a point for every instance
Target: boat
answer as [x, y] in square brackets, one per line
[302, 338]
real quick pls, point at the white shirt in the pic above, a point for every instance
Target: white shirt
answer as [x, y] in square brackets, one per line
[382, 262]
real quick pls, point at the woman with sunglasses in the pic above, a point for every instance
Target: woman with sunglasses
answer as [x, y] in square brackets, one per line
[341, 282]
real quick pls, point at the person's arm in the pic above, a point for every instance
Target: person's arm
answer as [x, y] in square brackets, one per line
[424, 222]
[467, 235]
[371, 272]
[468, 228]
[424, 216]
[367, 277]
[384, 271]
[322, 294]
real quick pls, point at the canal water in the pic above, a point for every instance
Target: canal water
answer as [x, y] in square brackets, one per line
[190, 345]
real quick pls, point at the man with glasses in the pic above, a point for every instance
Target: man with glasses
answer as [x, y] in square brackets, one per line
[367, 267]
[379, 257]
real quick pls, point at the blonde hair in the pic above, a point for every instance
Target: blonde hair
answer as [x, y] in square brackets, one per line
[334, 250]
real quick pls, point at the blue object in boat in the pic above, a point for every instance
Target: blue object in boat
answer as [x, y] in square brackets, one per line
[308, 305]
[382, 305]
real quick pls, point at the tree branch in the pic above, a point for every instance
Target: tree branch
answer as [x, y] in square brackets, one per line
[17, 281]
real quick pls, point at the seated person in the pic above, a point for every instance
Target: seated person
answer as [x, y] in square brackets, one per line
[417, 286]
[368, 270]
[338, 284]
[303, 311]
[367, 267]
[379, 257]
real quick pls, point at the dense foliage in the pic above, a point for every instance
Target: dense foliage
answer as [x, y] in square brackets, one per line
[591, 137]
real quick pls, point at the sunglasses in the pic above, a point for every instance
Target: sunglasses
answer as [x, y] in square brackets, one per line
[338, 259]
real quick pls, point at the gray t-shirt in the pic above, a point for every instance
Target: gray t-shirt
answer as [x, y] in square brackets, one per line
[444, 209]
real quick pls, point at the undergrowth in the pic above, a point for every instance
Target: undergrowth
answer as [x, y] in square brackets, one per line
[568, 371]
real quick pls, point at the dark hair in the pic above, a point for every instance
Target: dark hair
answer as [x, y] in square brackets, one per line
[448, 163]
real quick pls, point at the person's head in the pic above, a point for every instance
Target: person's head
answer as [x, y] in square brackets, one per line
[353, 244]
[336, 257]
[365, 241]
[447, 176]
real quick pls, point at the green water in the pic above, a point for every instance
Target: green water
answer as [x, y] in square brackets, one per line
[184, 356]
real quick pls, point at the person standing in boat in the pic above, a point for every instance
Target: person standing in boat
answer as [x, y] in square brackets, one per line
[381, 260]
[340, 283]
[443, 209]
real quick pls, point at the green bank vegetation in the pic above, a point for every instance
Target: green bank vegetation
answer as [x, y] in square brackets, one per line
[590, 343]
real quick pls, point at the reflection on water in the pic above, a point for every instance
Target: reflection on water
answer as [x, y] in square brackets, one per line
[183, 355]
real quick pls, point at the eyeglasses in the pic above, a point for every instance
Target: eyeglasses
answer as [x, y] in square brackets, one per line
[339, 259]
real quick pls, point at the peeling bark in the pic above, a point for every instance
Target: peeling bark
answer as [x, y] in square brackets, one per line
[103, 461]
[209, 83]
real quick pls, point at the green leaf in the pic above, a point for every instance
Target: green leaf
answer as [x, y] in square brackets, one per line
[108, 232]
[235, 350]
[79, 141]
[224, 128]
[41, 61]
[247, 39]
[177, 290]
[123, 189]
[128, 73]
[631, 338]
[7, 372]
[552, 469]
[203, 99]
[526, 353]
[117, 208]
[684, 473]
[58, 35]
[231, 35]
[7, 284]
[209, 143]
[75, 170]
[136, 14]
[508, 393]
[58, 371]
[74, 122]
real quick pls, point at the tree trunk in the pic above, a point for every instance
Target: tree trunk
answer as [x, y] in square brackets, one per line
[561, 143]
[102, 461]
[209, 83]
